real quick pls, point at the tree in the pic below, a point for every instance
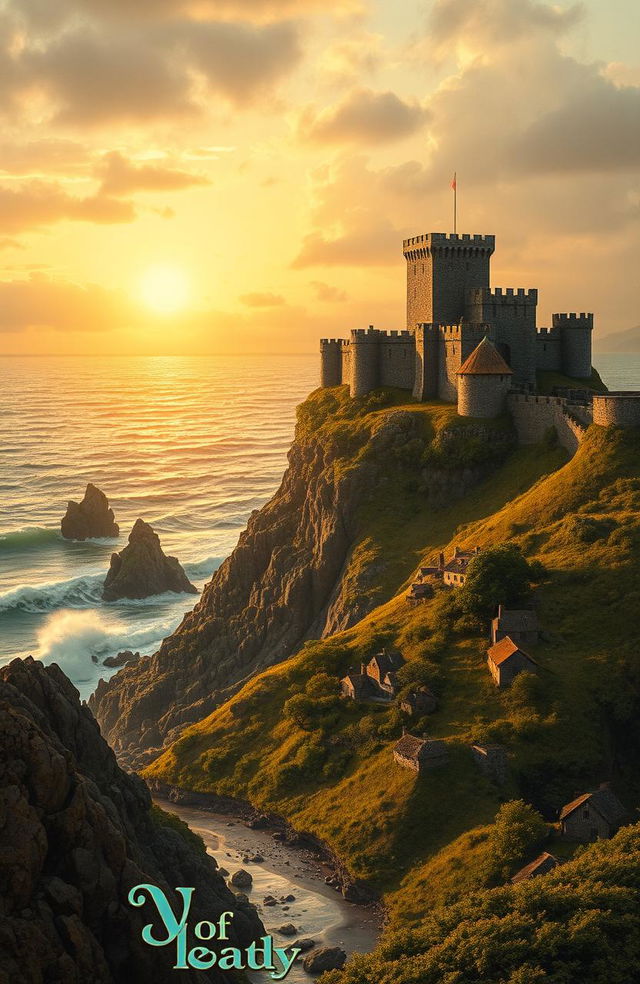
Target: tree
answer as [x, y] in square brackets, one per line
[500, 575]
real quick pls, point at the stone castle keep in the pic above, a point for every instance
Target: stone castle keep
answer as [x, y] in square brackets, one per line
[464, 342]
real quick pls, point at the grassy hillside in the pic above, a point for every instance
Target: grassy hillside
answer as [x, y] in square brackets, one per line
[288, 743]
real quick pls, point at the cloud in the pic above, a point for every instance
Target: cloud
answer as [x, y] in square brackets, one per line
[596, 130]
[93, 78]
[238, 60]
[375, 244]
[496, 22]
[42, 302]
[122, 177]
[125, 73]
[49, 155]
[363, 117]
[327, 294]
[47, 14]
[37, 203]
[262, 300]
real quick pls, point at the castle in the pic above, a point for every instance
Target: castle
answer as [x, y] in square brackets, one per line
[464, 342]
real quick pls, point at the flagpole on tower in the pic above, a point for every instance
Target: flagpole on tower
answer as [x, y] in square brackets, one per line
[454, 185]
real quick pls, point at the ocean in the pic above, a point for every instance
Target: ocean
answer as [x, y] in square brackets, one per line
[191, 445]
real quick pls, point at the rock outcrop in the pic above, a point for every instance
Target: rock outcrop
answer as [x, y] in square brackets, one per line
[142, 569]
[76, 834]
[89, 519]
[304, 568]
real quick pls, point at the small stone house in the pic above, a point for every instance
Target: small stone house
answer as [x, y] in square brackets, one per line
[542, 865]
[521, 625]
[506, 660]
[492, 761]
[377, 679]
[356, 686]
[454, 573]
[419, 754]
[419, 702]
[593, 816]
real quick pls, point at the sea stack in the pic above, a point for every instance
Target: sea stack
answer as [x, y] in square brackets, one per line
[142, 569]
[89, 519]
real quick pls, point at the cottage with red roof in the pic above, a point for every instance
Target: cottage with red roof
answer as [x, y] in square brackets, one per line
[506, 660]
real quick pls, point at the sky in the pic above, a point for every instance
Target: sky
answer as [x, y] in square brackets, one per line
[221, 176]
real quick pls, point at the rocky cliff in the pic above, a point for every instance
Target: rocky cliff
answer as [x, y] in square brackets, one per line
[309, 564]
[90, 518]
[76, 834]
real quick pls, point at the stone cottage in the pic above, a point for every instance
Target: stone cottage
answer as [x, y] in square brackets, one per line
[593, 816]
[454, 573]
[506, 660]
[419, 702]
[521, 625]
[492, 761]
[542, 865]
[418, 592]
[376, 680]
[419, 754]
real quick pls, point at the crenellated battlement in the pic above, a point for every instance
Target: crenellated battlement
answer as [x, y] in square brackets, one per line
[379, 335]
[573, 320]
[501, 295]
[325, 342]
[548, 333]
[450, 239]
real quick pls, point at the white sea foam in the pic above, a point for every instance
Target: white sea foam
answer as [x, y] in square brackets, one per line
[79, 641]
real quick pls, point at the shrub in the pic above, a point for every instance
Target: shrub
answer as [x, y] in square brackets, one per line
[500, 575]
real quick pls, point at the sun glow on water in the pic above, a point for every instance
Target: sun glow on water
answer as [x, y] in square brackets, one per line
[165, 289]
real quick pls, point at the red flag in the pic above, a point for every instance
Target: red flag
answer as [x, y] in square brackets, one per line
[454, 183]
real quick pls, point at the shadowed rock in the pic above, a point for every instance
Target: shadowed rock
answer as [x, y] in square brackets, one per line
[76, 835]
[90, 518]
[142, 569]
[326, 958]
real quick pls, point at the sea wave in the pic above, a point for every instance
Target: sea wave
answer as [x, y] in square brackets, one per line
[28, 538]
[86, 592]
[79, 642]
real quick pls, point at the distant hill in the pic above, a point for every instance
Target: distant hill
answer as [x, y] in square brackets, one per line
[620, 341]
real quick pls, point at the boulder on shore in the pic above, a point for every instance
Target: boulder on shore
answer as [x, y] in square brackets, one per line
[241, 879]
[142, 569]
[89, 519]
[326, 958]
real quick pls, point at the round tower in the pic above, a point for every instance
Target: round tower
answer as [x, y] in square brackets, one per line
[484, 380]
[365, 361]
[575, 343]
[330, 362]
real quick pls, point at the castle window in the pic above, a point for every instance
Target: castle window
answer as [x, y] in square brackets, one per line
[544, 347]
[415, 267]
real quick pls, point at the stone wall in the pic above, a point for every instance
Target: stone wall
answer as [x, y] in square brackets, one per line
[575, 333]
[617, 409]
[534, 415]
[512, 316]
[330, 362]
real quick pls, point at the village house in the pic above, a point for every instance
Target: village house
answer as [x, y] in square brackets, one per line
[506, 660]
[492, 761]
[376, 680]
[542, 865]
[419, 702]
[520, 625]
[593, 816]
[454, 573]
[419, 754]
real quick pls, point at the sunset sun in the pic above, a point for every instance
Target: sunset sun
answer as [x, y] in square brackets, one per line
[164, 289]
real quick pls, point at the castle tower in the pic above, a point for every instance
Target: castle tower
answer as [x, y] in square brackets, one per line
[483, 382]
[575, 343]
[330, 361]
[365, 361]
[440, 270]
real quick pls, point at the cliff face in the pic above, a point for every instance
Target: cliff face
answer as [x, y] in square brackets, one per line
[76, 834]
[304, 568]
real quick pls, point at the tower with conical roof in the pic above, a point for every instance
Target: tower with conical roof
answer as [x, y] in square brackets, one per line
[483, 382]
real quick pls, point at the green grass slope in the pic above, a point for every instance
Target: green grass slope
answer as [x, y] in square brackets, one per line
[289, 744]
